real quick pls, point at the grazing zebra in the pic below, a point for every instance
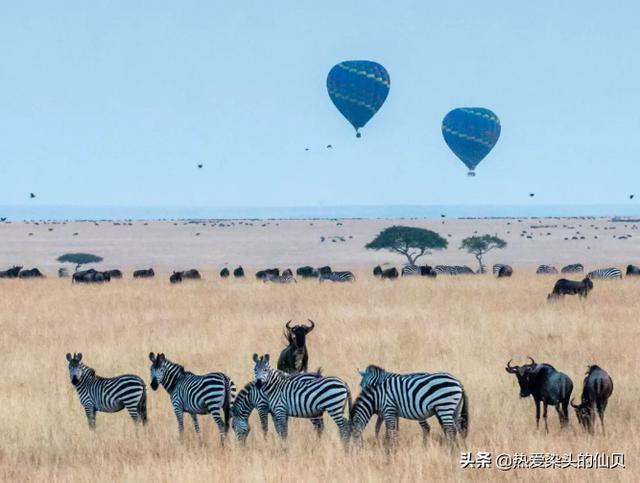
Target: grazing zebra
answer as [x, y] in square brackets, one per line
[453, 270]
[605, 273]
[415, 396]
[337, 277]
[546, 269]
[573, 268]
[194, 394]
[286, 277]
[501, 270]
[107, 394]
[410, 271]
[250, 398]
[301, 397]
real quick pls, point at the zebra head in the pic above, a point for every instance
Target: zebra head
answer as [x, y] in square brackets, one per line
[261, 369]
[241, 410]
[77, 370]
[158, 369]
[365, 406]
[372, 375]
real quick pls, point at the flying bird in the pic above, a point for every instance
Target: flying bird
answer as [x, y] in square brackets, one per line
[329, 146]
[306, 149]
[31, 195]
[442, 215]
[532, 195]
[631, 197]
[200, 166]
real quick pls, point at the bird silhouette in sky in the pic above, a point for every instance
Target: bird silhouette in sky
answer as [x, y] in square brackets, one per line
[329, 146]
[31, 195]
[200, 165]
[532, 195]
[306, 149]
[631, 197]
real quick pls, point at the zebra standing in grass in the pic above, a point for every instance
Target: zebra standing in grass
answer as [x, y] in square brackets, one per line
[453, 270]
[285, 277]
[337, 277]
[496, 268]
[301, 397]
[250, 398]
[546, 269]
[194, 394]
[574, 268]
[107, 395]
[605, 273]
[410, 271]
[415, 396]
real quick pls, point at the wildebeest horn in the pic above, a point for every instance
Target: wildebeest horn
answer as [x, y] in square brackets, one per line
[533, 363]
[573, 405]
[287, 325]
[509, 367]
[312, 325]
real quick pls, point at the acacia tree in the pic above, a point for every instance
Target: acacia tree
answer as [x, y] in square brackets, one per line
[409, 241]
[479, 246]
[79, 259]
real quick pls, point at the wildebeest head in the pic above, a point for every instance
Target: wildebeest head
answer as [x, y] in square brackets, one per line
[261, 369]
[523, 373]
[76, 367]
[158, 369]
[297, 334]
[583, 413]
[588, 283]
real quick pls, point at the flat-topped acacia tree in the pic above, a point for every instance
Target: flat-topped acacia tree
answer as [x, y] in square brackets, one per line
[79, 259]
[479, 246]
[412, 242]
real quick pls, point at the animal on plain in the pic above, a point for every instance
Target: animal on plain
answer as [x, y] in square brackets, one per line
[453, 270]
[224, 273]
[295, 357]
[546, 270]
[90, 276]
[238, 272]
[32, 273]
[501, 270]
[107, 394]
[11, 273]
[596, 391]
[633, 270]
[571, 287]
[573, 268]
[326, 270]
[609, 273]
[387, 273]
[269, 272]
[63, 272]
[418, 270]
[547, 386]
[144, 273]
[285, 277]
[307, 272]
[175, 277]
[377, 271]
[114, 273]
[339, 277]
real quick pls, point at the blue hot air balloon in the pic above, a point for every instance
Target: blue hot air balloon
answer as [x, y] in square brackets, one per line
[471, 133]
[358, 88]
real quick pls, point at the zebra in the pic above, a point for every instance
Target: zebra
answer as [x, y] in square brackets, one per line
[410, 271]
[337, 277]
[286, 277]
[501, 270]
[574, 268]
[194, 394]
[301, 397]
[496, 268]
[415, 396]
[453, 270]
[605, 273]
[250, 398]
[107, 394]
[546, 269]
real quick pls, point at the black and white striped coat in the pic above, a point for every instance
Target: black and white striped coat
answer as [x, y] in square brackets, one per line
[337, 277]
[285, 277]
[605, 273]
[301, 397]
[453, 270]
[107, 394]
[546, 269]
[573, 268]
[194, 394]
[415, 396]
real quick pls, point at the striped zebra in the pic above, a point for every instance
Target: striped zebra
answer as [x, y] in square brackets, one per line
[501, 270]
[574, 268]
[418, 270]
[250, 398]
[605, 273]
[337, 277]
[194, 394]
[107, 394]
[285, 277]
[301, 397]
[415, 396]
[453, 270]
[546, 269]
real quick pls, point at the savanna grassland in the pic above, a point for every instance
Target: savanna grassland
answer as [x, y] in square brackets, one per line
[467, 326]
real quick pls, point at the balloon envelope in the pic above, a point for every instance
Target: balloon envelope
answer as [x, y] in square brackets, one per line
[358, 88]
[471, 133]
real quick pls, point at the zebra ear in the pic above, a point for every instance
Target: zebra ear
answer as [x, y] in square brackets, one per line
[68, 356]
[79, 356]
[255, 357]
[152, 357]
[266, 357]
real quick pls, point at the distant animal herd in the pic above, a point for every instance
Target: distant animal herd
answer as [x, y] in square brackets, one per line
[291, 391]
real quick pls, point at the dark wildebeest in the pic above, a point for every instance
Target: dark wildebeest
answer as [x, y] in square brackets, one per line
[547, 386]
[596, 389]
[33, 273]
[268, 273]
[90, 276]
[11, 273]
[307, 272]
[571, 287]
[192, 274]
[224, 273]
[114, 273]
[377, 271]
[505, 271]
[427, 271]
[238, 272]
[326, 270]
[144, 273]
[175, 277]
[390, 273]
[633, 270]
[295, 357]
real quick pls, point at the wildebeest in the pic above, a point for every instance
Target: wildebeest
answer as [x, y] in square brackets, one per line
[33, 273]
[326, 270]
[377, 271]
[285, 277]
[390, 273]
[192, 274]
[295, 357]
[596, 390]
[175, 277]
[571, 287]
[238, 272]
[307, 272]
[547, 386]
[269, 272]
[11, 273]
[224, 273]
[573, 268]
[427, 271]
[114, 273]
[633, 270]
[144, 273]
[90, 276]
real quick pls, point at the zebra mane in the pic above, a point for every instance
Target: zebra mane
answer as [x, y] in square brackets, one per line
[374, 368]
[90, 371]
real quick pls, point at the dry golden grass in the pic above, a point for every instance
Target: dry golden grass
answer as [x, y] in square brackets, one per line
[467, 326]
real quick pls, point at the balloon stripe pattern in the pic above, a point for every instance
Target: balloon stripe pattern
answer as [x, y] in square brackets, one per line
[358, 88]
[471, 133]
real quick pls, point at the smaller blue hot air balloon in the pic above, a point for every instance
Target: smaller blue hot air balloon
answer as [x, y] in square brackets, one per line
[358, 88]
[471, 133]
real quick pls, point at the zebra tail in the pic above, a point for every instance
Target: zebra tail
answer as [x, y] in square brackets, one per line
[464, 415]
[229, 397]
[143, 406]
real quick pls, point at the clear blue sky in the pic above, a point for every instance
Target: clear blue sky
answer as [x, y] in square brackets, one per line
[114, 102]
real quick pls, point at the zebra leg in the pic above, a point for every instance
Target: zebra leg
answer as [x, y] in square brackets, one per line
[281, 422]
[134, 412]
[263, 414]
[318, 425]
[180, 417]
[337, 414]
[90, 411]
[391, 427]
[448, 424]
[426, 429]
[215, 412]
[379, 422]
[196, 426]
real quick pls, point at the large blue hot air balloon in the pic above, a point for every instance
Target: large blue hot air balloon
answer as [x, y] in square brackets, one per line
[358, 88]
[471, 133]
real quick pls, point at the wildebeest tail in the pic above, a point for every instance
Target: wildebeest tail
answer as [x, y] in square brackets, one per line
[463, 421]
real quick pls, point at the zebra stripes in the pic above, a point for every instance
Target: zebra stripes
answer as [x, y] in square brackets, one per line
[453, 270]
[301, 397]
[573, 268]
[285, 277]
[337, 277]
[605, 273]
[108, 395]
[546, 269]
[194, 394]
[415, 396]
[410, 271]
